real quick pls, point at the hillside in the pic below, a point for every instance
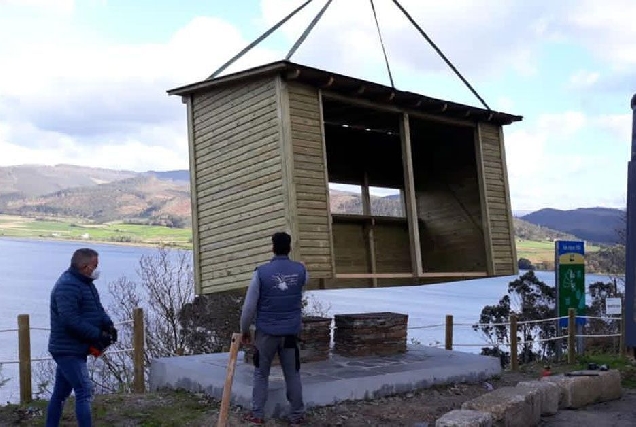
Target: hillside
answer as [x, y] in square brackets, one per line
[528, 231]
[598, 225]
[163, 198]
[141, 199]
[17, 182]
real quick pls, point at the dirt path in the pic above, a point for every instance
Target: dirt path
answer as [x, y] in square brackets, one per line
[617, 413]
[411, 409]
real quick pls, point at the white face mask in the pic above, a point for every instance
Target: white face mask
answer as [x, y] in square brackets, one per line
[95, 274]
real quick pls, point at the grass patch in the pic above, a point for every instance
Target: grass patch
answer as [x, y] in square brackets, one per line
[73, 229]
[626, 367]
[541, 251]
[147, 410]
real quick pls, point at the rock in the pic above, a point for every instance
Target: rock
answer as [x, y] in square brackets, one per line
[509, 406]
[465, 418]
[549, 393]
[581, 390]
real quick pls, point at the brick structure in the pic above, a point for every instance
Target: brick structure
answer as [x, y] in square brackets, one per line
[370, 334]
[316, 336]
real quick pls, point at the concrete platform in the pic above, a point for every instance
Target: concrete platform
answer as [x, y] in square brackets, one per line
[326, 382]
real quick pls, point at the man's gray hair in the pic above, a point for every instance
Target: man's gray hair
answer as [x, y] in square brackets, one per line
[82, 257]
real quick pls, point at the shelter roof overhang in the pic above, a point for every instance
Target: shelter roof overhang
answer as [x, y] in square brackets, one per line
[355, 88]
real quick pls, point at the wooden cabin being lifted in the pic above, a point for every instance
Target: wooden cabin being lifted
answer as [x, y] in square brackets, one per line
[265, 144]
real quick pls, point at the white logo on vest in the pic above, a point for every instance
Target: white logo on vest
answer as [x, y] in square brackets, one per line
[283, 282]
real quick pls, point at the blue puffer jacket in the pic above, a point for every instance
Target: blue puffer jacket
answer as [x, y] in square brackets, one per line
[77, 315]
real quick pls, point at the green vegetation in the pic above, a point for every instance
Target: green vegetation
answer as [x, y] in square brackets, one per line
[70, 229]
[148, 410]
[539, 252]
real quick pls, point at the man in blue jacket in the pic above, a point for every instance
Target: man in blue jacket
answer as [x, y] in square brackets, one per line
[79, 325]
[274, 298]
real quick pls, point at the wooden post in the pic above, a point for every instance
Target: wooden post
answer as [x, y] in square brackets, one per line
[449, 332]
[571, 335]
[369, 234]
[24, 356]
[514, 356]
[139, 383]
[229, 378]
[410, 199]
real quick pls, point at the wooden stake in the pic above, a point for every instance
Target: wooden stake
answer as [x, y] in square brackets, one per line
[449, 332]
[229, 378]
[571, 335]
[139, 384]
[24, 350]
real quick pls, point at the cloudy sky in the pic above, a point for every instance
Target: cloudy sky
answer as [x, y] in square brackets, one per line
[84, 81]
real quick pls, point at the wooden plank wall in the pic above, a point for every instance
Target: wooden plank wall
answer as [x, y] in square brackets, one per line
[450, 214]
[392, 247]
[498, 199]
[240, 200]
[310, 180]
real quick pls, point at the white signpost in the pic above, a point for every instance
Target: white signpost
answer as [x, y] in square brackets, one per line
[613, 306]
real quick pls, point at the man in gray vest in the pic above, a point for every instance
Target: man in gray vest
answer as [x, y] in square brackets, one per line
[274, 299]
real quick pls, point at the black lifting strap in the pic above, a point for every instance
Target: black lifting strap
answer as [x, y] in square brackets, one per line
[386, 59]
[259, 39]
[450, 64]
[305, 33]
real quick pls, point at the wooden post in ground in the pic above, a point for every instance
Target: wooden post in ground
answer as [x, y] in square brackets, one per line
[571, 335]
[449, 332]
[139, 383]
[24, 357]
[514, 357]
[229, 378]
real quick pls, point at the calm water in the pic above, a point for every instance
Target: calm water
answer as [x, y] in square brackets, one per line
[29, 268]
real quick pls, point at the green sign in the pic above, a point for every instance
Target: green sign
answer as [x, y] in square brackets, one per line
[570, 279]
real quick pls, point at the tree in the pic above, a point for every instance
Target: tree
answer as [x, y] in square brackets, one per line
[529, 299]
[525, 264]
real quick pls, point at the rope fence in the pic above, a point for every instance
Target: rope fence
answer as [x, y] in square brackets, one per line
[25, 360]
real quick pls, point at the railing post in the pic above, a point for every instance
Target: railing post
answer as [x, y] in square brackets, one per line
[449, 332]
[24, 357]
[514, 356]
[571, 334]
[139, 384]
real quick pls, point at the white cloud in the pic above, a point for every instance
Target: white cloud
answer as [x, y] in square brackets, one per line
[552, 163]
[607, 28]
[72, 97]
[584, 78]
[619, 126]
[506, 34]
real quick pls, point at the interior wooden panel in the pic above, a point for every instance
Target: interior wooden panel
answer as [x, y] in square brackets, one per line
[448, 198]
[392, 251]
[311, 191]
[498, 205]
[239, 181]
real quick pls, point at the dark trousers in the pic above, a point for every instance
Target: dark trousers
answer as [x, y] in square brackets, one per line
[267, 346]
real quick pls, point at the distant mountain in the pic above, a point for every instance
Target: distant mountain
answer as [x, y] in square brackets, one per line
[181, 175]
[17, 182]
[597, 225]
[347, 202]
[528, 231]
[142, 199]
[163, 197]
